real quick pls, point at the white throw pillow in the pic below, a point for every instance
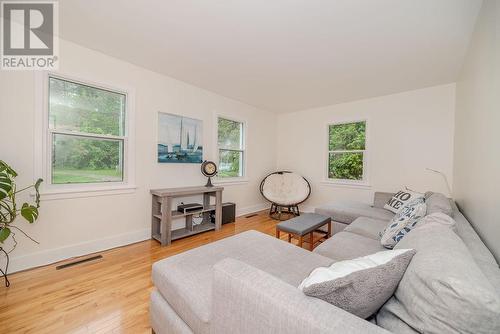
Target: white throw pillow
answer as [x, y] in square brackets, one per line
[403, 222]
[360, 286]
[400, 199]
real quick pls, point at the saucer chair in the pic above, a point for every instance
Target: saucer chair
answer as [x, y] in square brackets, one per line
[285, 190]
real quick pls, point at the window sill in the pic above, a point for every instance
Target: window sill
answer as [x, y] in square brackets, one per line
[230, 181]
[345, 184]
[81, 192]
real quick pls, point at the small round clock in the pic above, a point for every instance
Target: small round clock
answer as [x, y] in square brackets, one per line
[209, 169]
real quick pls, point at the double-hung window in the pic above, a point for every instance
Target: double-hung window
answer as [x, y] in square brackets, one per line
[347, 152]
[231, 148]
[87, 137]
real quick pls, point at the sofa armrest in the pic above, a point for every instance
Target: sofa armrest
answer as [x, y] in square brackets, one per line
[248, 300]
[381, 198]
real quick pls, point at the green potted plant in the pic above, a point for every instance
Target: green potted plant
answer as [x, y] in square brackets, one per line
[9, 210]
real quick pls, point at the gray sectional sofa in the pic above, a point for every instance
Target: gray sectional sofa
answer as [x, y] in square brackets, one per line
[343, 213]
[248, 283]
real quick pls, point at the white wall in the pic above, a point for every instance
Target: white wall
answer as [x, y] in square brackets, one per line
[407, 132]
[477, 136]
[72, 227]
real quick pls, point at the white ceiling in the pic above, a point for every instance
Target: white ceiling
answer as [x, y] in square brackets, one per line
[282, 55]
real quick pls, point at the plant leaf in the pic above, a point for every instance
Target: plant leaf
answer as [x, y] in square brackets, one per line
[29, 212]
[7, 169]
[7, 213]
[37, 195]
[4, 234]
[5, 184]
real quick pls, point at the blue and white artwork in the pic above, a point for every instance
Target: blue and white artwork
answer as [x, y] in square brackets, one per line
[180, 139]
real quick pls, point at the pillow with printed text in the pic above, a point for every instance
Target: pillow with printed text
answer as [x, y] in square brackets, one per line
[401, 198]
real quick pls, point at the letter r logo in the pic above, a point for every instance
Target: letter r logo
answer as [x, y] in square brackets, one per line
[28, 28]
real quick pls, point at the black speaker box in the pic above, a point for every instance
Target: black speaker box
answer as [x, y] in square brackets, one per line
[228, 213]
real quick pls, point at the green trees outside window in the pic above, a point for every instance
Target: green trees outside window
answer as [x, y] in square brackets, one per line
[346, 151]
[231, 147]
[87, 132]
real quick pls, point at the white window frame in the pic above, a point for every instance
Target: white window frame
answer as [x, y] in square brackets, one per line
[238, 179]
[44, 135]
[364, 183]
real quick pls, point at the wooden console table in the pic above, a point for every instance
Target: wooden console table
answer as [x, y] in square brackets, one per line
[163, 213]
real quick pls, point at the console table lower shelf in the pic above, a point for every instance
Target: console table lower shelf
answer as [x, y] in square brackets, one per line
[163, 213]
[184, 232]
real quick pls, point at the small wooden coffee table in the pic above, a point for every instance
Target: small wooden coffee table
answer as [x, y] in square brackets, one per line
[306, 223]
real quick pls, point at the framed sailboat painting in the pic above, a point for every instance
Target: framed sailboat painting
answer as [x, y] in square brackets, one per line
[180, 139]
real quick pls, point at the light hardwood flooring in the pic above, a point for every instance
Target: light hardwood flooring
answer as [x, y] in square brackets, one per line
[110, 295]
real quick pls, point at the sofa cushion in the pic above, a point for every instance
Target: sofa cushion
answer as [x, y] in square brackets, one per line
[392, 323]
[381, 198]
[347, 246]
[250, 301]
[481, 254]
[164, 320]
[359, 286]
[336, 227]
[438, 202]
[443, 290]
[367, 227]
[347, 211]
[437, 218]
[185, 280]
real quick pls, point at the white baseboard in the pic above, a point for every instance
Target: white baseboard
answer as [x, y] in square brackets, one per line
[23, 262]
[251, 209]
[266, 206]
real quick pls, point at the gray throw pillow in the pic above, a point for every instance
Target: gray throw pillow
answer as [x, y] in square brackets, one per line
[438, 202]
[359, 286]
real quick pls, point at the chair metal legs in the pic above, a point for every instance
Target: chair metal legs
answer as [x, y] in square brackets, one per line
[278, 210]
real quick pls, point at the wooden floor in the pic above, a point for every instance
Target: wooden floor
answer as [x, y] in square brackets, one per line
[110, 295]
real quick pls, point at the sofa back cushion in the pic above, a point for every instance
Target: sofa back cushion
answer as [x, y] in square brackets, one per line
[438, 202]
[381, 198]
[443, 290]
